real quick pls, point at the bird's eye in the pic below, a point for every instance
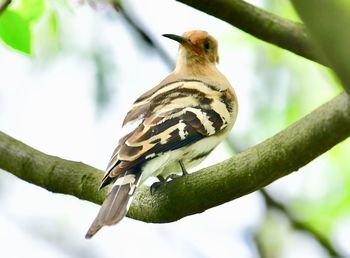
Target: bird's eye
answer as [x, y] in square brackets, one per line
[207, 45]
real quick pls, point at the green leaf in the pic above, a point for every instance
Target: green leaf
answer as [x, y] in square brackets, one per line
[15, 31]
[53, 23]
[30, 9]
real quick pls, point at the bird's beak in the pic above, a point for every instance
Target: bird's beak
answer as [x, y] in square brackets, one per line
[183, 41]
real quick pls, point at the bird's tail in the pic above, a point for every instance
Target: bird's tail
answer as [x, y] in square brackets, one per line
[117, 203]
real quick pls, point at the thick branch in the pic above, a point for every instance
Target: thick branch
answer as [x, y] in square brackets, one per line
[261, 24]
[329, 23]
[50, 172]
[246, 172]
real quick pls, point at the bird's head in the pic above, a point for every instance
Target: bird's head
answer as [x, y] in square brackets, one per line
[196, 46]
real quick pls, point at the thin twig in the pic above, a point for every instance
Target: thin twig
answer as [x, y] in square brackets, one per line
[144, 34]
[259, 245]
[270, 201]
[4, 5]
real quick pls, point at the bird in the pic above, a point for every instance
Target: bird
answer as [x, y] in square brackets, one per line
[170, 128]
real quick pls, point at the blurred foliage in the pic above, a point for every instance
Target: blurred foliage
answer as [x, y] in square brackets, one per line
[104, 72]
[289, 87]
[17, 23]
[30, 9]
[15, 31]
[275, 224]
[286, 88]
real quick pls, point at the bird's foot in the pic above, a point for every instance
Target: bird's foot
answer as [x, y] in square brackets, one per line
[163, 181]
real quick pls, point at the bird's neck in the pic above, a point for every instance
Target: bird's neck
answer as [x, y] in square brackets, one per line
[193, 67]
[190, 64]
[205, 71]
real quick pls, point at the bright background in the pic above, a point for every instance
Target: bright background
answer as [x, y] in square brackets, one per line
[70, 98]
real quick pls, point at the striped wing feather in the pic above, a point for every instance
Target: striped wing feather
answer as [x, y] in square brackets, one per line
[177, 114]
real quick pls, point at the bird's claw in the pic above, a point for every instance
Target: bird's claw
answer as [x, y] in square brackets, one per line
[163, 181]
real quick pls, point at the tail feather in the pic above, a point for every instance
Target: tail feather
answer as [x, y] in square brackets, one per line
[115, 206]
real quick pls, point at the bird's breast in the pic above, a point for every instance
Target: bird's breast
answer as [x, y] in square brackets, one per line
[192, 155]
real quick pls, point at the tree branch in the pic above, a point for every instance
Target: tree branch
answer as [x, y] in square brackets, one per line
[242, 174]
[329, 23]
[50, 172]
[261, 24]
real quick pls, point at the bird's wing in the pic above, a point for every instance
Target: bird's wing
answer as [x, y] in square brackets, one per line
[177, 114]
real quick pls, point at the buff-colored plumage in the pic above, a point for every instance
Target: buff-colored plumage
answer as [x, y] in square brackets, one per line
[172, 126]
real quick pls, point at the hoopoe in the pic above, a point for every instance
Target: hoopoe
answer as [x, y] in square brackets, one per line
[171, 127]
